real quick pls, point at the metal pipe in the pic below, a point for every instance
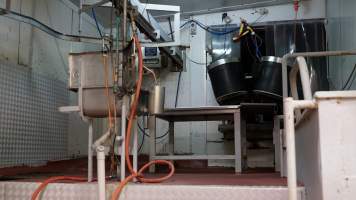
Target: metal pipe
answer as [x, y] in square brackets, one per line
[124, 22]
[123, 136]
[102, 139]
[100, 155]
[306, 54]
[301, 67]
[134, 147]
[90, 151]
[156, 100]
[289, 106]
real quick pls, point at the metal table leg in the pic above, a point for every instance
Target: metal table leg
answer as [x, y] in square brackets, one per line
[90, 151]
[243, 144]
[277, 144]
[171, 138]
[237, 136]
[134, 147]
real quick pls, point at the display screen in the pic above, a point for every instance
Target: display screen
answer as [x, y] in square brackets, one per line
[151, 51]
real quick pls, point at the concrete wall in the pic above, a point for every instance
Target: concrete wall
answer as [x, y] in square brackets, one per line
[29, 47]
[195, 89]
[308, 156]
[326, 148]
[341, 31]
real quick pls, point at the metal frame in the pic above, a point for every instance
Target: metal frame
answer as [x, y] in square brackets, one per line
[176, 24]
[149, 25]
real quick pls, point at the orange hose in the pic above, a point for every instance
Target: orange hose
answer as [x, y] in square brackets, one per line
[139, 175]
[55, 179]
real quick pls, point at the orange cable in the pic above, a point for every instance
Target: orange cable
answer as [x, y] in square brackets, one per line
[55, 179]
[139, 175]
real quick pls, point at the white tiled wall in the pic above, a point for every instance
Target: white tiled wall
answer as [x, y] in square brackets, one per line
[36, 133]
[32, 131]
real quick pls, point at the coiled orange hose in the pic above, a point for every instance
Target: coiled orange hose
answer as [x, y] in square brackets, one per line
[139, 175]
[55, 179]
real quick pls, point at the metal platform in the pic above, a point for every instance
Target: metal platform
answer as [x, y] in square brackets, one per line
[88, 191]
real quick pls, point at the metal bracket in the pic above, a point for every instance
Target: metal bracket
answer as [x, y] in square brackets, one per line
[176, 24]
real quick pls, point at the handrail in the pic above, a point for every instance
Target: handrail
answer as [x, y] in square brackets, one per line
[301, 67]
[289, 56]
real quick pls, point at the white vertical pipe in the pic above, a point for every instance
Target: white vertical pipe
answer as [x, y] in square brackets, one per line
[289, 107]
[123, 136]
[152, 129]
[290, 140]
[100, 155]
[90, 151]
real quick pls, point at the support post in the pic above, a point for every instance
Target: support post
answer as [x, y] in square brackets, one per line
[152, 131]
[243, 144]
[171, 138]
[291, 157]
[277, 144]
[90, 151]
[123, 136]
[237, 136]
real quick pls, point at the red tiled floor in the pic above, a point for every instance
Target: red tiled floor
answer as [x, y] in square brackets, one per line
[197, 175]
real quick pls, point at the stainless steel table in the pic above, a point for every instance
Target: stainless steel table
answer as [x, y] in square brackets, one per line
[216, 113]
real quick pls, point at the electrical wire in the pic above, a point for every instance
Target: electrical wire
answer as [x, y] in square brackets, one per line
[178, 87]
[349, 79]
[151, 72]
[142, 142]
[144, 132]
[98, 28]
[96, 22]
